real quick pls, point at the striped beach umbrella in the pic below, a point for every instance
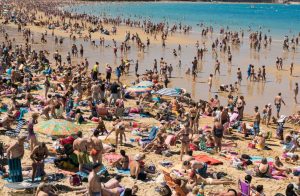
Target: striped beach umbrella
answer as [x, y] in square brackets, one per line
[171, 92]
[145, 84]
[57, 127]
[138, 89]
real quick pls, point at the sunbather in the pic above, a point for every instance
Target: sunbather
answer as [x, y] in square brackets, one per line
[263, 169]
[123, 162]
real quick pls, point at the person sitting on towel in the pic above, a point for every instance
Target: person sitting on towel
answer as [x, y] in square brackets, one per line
[123, 162]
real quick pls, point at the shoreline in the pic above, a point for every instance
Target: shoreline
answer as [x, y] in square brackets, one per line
[197, 1]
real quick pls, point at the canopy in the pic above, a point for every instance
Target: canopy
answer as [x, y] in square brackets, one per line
[171, 92]
[57, 127]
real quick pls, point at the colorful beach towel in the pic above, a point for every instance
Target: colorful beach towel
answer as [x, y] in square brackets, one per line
[15, 170]
[258, 158]
[110, 158]
[123, 171]
[206, 159]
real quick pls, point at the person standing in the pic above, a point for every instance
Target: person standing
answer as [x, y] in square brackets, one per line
[136, 67]
[15, 153]
[108, 72]
[97, 148]
[269, 113]
[31, 135]
[80, 147]
[218, 130]
[95, 71]
[291, 69]
[296, 91]
[38, 156]
[239, 75]
[241, 106]
[217, 67]
[277, 101]
[210, 82]
[257, 119]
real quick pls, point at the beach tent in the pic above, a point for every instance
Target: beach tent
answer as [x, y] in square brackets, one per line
[171, 92]
[57, 127]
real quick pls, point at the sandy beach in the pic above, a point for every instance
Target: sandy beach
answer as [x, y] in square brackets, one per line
[256, 93]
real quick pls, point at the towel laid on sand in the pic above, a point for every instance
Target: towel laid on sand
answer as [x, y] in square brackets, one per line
[110, 158]
[206, 159]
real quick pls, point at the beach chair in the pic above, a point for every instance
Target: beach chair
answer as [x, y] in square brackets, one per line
[170, 182]
[150, 137]
[15, 133]
[244, 188]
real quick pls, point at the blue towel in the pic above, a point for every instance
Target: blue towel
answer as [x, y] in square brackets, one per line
[153, 133]
[122, 171]
[258, 158]
[82, 174]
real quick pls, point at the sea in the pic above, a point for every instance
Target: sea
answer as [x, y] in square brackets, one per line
[276, 19]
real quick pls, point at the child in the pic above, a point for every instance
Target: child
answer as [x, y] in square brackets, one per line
[265, 114]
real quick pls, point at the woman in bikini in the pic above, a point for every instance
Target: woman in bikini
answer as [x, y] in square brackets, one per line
[184, 136]
[263, 169]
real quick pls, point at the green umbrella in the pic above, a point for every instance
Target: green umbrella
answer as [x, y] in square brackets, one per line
[57, 127]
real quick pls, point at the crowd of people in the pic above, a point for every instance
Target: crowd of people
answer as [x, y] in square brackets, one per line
[38, 86]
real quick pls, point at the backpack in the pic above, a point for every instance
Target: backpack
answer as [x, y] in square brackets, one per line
[75, 180]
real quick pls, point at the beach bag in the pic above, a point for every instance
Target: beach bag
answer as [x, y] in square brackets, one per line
[75, 180]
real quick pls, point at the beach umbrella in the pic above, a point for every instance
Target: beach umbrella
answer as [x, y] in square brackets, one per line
[57, 127]
[138, 89]
[171, 92]
[145, 84]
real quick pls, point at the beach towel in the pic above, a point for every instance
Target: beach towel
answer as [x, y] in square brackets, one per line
[123, 171]
[206, 159]
[82, 174]
[258, 158]
[245, 188]
[15, 170]
[103, 171]
[23, 111]
[22, 185]
[170, 140]
[110, 158]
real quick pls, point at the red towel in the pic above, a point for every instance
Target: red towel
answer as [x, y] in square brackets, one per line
[206, 159]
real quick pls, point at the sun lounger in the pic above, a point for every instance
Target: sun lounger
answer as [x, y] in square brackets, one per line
[15, 133]
[150, 137]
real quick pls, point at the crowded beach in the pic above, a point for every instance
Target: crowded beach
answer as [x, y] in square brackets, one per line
[73, 124]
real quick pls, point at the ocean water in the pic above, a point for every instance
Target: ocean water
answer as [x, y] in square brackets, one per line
[278, 19]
